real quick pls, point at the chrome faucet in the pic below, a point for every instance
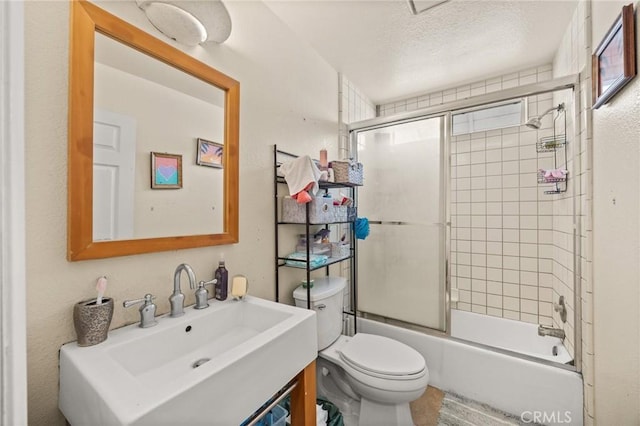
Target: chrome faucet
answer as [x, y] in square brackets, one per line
[550, 331]
[561, 308]
[177, 298]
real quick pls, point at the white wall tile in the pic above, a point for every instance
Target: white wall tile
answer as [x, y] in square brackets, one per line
[511, 289]
[495, 288]
[509, 275]
[511, 303]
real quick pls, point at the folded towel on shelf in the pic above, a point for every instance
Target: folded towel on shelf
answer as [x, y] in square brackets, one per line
[553, 175]
[299, 260]
[301, 175]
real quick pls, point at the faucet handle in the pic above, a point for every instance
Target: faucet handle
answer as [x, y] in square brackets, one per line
[147, 310]
[147, 299]
[561, 308]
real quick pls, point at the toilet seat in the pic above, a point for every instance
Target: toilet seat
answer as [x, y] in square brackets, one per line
[381, 357]
[367, 380]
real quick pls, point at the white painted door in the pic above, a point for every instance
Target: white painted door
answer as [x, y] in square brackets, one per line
[114, 137]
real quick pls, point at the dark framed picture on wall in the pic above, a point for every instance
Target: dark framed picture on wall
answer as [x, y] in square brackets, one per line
[614, 61]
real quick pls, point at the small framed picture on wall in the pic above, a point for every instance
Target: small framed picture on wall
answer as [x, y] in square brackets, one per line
[614, 61]
[210, 154]
[166, 171]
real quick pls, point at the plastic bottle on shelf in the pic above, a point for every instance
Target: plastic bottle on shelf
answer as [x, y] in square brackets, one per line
[222, 283]
[324, 165]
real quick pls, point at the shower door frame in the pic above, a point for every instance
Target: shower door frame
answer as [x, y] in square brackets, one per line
[445, 110]
[445, 188]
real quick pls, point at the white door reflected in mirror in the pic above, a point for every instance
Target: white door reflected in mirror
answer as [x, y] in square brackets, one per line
[114, 142]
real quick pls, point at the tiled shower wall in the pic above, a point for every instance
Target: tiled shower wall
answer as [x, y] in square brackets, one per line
[563, 223]
[353, 106]
[573, 56]
[502, 222]
[507, 81]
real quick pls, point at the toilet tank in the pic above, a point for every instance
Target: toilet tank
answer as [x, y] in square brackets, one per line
[326, 300]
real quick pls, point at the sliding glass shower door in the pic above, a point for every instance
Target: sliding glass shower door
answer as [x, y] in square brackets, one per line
[401, 265]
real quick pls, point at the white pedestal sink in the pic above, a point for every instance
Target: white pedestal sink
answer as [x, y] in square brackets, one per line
[214, 366]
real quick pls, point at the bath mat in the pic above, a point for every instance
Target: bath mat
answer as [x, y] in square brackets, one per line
[459, 411]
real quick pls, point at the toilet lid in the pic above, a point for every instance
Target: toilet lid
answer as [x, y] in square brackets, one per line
[382, 356]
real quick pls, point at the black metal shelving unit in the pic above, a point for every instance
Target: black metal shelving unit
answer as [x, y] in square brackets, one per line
[279, 185]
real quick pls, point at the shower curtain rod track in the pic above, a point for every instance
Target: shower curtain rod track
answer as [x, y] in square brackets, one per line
[400, 222]
[568, 82]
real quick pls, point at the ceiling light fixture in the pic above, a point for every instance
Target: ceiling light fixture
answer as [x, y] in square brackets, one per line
[189, 22]
[419, 6]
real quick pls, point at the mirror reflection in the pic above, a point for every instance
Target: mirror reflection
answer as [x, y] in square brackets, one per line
[142, 105]
[150, 188]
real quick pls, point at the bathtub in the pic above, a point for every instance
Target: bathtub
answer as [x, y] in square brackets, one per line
[527, 389]
[507, 334]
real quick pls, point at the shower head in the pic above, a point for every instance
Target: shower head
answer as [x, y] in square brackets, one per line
[536, 122]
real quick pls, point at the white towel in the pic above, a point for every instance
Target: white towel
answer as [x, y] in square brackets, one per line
[299, 173]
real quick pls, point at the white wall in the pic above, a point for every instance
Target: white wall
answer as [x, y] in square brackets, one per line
[616, 244]
[167, 121]
[288, 97]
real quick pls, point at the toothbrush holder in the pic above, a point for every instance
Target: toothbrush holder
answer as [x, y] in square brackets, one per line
[92, 321]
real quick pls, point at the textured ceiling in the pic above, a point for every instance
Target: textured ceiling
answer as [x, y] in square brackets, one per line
[390, 54]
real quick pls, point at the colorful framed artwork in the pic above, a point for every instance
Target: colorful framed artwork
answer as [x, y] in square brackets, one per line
[210, 154]
[614, 61]
[166, 171]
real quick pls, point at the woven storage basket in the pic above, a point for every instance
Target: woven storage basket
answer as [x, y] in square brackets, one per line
[321, 210]
[348, 172]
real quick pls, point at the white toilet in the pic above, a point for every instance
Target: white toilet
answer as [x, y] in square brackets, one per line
[379, 373]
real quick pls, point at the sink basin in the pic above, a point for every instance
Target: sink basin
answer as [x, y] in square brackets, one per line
[211, 366]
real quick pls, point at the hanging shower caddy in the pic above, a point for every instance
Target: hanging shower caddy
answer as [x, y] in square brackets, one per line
[557, 143]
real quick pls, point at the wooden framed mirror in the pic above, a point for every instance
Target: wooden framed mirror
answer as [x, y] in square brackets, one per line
[203, 209]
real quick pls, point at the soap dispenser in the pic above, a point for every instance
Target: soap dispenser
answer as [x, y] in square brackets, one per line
[202, 295]
[222, 278]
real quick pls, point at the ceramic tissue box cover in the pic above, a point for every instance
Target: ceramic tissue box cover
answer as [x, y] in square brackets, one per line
[321, 210]
[92, 321]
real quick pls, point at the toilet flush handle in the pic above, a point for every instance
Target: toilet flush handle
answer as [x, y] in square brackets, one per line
[321, 307]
